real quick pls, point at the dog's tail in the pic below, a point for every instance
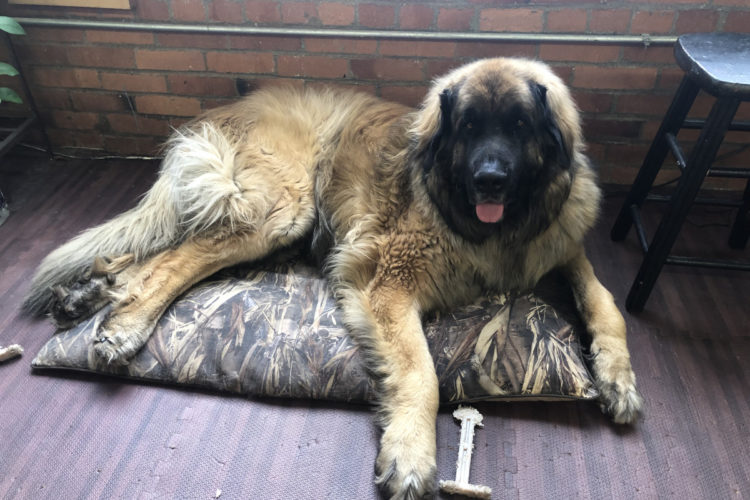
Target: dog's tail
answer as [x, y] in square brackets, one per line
[195, 190]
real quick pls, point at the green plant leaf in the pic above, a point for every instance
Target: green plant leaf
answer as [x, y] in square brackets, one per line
[9, 95]
[7, 69]
[9, 25]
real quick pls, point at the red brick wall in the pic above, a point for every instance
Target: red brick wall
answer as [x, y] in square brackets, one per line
[120, 92]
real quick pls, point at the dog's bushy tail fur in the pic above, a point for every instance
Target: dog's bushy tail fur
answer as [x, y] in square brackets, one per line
[195, 190]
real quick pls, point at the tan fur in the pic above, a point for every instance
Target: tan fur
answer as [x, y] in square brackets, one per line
[246, 180]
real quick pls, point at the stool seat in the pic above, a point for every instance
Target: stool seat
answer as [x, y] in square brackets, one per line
[719, 62]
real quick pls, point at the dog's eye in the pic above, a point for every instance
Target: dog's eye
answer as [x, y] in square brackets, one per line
[469, 125]
[520, 124]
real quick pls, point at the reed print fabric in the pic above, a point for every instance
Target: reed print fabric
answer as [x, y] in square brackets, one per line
[276, 332]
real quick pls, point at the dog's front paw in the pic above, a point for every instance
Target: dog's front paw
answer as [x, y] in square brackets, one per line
[618, 396]
[406, 469]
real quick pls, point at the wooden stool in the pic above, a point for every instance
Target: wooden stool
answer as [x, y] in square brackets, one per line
[718, 63]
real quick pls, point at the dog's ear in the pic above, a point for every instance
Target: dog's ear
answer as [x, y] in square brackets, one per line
[447, 103]
[553, 141]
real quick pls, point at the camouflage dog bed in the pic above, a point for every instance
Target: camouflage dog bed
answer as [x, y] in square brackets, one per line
[278, 333]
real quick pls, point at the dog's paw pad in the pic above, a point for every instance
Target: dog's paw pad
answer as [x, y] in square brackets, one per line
[400, 482]
[114, 348]
[620, 401]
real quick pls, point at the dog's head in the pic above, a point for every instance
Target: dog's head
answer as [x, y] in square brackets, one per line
[496, 145]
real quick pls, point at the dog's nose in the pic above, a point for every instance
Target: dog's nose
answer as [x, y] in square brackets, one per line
[491, 175]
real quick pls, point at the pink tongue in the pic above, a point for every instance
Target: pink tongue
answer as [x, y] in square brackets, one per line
[490, 212]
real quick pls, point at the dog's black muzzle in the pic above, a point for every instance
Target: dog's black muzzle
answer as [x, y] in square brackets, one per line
[491, 169]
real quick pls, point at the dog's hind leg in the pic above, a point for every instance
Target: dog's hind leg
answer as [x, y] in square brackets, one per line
[162, 278]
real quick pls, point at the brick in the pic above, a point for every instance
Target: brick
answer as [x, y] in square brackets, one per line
[341, 45]
[335, 14]
[593, 102]
[579, 53]
[274, 81]
[120, 37]
[614, 128]
[66, 138]
[299, 13]
[213, 103]
[74, 120]
[312, 66]
[153, 10]
[652, 22]
[188, 10]
[610, 21]
[409, 95]
[43, 54]
[127, 123]
[262, 12]
[455, 19]
[696, 21]
[669, 78]
[653, 54]
[567, 21]
[201, 85]
[273, 43]
[240, 62]
[564, 72]
[174, 60]
[388, 69]
[417, 48]
[735, 3]
[439, 67]
[47, 98]
[743, 112]
[415, 16]
[649, 129]
[70, 77]
[167, 105]
[90, 101]
[734, 153]
[226, 11]
[64, 35]
[134, 82]
[616, 174]
[144, 146]
[517, 20]
[596, 153]
[628, 154]
[104, 57]
[376, 16]
[683, 2]
[738, 22]
[350, 86]
[194, 41]
[644, 104]
[593, 77]
[487, 49]
[702, 105]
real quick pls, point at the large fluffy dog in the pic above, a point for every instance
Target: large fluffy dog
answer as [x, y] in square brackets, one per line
[485, 187]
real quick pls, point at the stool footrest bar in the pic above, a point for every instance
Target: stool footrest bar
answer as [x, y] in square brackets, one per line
[674, 146]
[714, 264]
[635, 214]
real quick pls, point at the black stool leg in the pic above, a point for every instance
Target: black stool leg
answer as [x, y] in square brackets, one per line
[741, 227]
[672, 122]
[699, 162]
